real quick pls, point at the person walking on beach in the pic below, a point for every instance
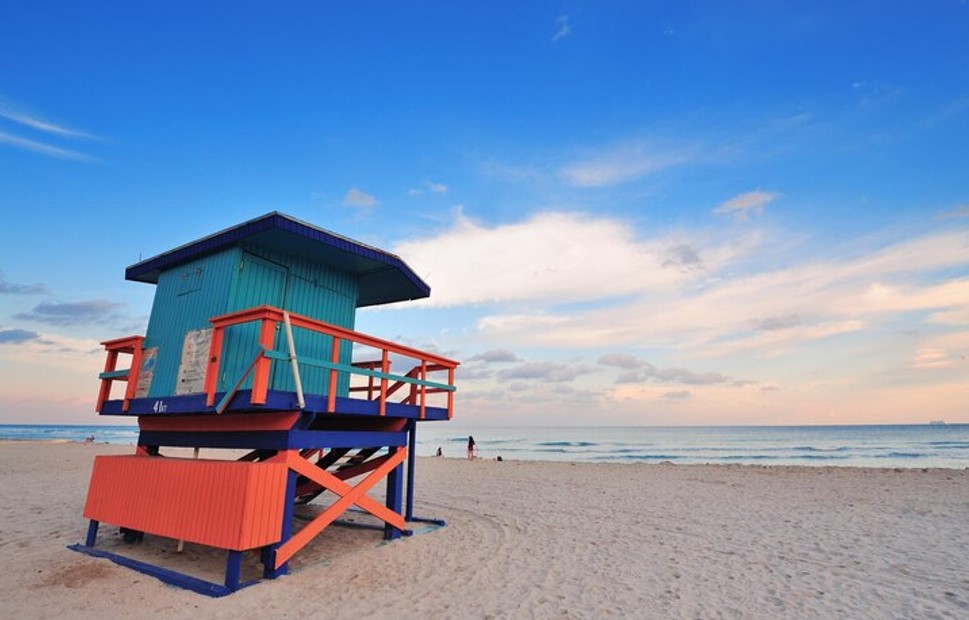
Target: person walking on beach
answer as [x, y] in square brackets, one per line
[472, 448]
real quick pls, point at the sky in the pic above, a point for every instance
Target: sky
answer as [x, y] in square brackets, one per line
[629, 213]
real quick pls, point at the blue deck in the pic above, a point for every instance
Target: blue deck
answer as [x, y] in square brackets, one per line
[276, 400]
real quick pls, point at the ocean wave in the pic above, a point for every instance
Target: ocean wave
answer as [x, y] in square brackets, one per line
[901, 455]
[640, 457]
[567, 444]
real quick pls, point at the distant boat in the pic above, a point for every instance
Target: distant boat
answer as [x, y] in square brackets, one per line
[937, 422]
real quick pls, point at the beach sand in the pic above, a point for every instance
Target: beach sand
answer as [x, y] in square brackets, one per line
[535, 540]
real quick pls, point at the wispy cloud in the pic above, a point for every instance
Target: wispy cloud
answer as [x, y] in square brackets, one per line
[956, 213]
[494, 356]
[951, 111]
[17, 336]
[72, 313]
[623, 164]
[636, 370]
[10, 288]
[359, 198]
[563, 27]
[17, 115]
[677, 394]
[553, 372]
[742, 205]
[431, 186]
[44, 149]
[11, 113]
[932, 358]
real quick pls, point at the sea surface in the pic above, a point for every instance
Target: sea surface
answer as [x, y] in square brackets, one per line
[925, 445]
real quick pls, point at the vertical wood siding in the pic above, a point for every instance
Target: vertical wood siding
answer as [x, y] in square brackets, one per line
[185, 298]
[226, 504]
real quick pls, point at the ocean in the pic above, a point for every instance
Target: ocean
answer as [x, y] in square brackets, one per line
[926, 445]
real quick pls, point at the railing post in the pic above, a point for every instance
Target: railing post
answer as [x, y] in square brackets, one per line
[384, 368]
[450, 394]
[335, 359]
[212, 371]
[423, 388]
[129, 392]
[294, 364]
[260, 376]
[104, 393]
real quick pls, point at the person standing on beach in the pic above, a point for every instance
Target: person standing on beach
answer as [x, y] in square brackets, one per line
[472, 448]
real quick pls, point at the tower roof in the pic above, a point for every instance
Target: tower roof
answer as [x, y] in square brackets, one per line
[384, 277]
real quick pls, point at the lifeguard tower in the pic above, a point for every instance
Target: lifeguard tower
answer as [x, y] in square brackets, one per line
[251, 346]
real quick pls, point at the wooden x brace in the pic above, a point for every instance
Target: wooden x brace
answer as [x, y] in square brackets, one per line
[349, 495]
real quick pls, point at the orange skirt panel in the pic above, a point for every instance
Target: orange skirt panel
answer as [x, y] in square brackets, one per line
[227, 504]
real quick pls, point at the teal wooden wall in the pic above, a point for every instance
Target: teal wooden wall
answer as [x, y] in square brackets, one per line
[239, 278]
[185, 298]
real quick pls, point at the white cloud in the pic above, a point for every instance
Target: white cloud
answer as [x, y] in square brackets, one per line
[359, 198]
[623, 164]
[13, 113]
[42, 148]
[732, 301]
[434, 188]
[563, 27]
[544, 371]
[956, 213]
[741, 206]
[494, 356]
[557, 258]
[955, 317]
[932, 358]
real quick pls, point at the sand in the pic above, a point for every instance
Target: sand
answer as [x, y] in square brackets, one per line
[535, 540]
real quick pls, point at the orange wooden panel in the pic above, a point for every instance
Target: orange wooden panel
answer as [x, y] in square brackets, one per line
[227, 504]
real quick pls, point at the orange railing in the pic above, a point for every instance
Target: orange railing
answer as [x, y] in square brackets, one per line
[386, 383]
[381, 384]
[130, 345]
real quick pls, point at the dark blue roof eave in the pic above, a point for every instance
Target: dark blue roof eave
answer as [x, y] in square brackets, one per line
[384, 277]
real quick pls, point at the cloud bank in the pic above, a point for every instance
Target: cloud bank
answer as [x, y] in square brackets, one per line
[574, 280]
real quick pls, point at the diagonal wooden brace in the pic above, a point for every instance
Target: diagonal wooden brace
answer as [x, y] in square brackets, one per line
[349, 495]
[343, 474]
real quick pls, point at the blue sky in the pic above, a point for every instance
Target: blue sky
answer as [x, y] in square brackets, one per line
[629, 212]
